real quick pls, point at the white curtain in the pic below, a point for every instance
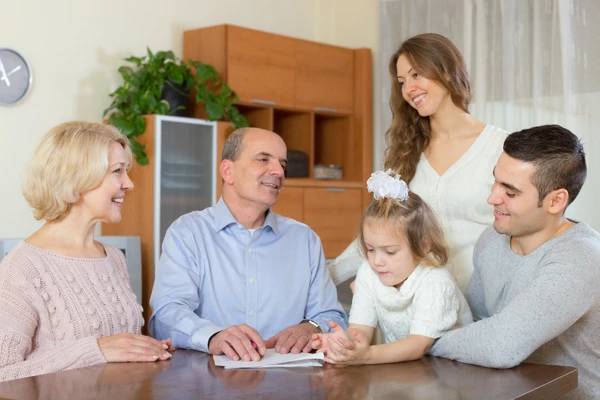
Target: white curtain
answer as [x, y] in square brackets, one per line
[531, 62]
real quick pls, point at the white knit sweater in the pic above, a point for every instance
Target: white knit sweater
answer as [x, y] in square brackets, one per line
[428, 303]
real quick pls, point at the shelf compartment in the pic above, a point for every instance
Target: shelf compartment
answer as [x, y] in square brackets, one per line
[333, 138]
[258, 117]
[296, 130]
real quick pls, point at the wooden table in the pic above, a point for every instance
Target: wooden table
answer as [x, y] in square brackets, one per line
[193, 375]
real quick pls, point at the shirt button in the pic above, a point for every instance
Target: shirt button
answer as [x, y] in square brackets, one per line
[251, 280]
[249, 249]
[251, 312]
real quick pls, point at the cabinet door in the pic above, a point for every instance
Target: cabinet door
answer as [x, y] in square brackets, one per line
[334, 214]
[290, 203]
[324, 77]
[260, 66]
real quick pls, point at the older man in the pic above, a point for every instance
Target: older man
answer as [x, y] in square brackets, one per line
[236, 273]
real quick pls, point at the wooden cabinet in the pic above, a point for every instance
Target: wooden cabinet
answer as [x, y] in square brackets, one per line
[265, 68]
[324, 77]
[334, 214]
[260, 66]
[290, 203]
[318, 98]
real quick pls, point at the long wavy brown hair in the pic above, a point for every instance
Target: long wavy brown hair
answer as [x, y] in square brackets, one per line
[436, 58]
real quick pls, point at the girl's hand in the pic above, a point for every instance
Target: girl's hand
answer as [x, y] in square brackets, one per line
[353, 351]
[169, 343]
[320, 340]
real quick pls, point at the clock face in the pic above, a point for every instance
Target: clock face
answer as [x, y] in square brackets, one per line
[15, 77]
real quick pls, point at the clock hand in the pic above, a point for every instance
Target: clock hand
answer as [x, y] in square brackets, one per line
[15, 69]
[4, 77]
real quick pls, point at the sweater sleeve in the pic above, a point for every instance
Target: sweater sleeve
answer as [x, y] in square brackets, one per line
[559, 295]
[20, 354]
[363, 311]
[436, 308]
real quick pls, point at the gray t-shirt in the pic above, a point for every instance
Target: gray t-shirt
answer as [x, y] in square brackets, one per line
[541, 308]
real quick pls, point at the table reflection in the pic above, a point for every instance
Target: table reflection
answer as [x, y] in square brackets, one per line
[193, 375]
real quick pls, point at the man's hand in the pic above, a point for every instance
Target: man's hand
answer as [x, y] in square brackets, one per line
[294, 339]
[236, 343]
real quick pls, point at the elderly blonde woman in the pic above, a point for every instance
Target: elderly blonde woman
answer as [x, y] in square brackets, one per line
[65, 299]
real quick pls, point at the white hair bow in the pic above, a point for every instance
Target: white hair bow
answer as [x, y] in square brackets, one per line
[383, 184]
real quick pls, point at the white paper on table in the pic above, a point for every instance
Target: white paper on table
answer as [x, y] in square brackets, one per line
[272, 359]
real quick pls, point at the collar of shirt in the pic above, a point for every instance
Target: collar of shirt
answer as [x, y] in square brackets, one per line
[224, 218]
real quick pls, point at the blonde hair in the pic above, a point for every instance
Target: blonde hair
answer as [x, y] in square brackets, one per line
[71, 159]
[436, 58]
[417, 221]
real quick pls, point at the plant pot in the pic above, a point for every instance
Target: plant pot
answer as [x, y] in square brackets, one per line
[176, 96]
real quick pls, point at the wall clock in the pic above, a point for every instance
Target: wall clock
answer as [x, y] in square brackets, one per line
[15, 77]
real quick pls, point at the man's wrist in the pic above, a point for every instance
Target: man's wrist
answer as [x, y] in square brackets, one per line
[209, 339]
[313, 323]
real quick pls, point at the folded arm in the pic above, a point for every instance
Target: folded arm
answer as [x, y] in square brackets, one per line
[557, 297]
[19, 324]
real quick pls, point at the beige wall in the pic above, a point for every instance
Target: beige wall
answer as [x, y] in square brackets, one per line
[75, 47]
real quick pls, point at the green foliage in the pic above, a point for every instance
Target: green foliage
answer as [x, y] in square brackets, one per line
[142, 89]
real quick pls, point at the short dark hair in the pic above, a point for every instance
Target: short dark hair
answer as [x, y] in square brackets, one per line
[557, 156]
[234, 144]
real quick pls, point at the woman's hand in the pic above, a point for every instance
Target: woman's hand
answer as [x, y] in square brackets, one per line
[353, 351]
[129, 347]
[320, 341]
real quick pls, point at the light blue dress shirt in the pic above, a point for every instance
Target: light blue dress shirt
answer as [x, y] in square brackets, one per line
[213, 274]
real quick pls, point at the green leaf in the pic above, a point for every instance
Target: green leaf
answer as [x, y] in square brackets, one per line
[136, 60]
[175, 75]
[152, 101]
[240, 122]
[138, 151]
[139, 124]
[214, 111]
[163, 107]
[141, 158]
[122, 124]
[165, 55]
[205, 72]
[226, 91]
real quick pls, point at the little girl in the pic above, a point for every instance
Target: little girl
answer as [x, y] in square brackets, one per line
[402, 285]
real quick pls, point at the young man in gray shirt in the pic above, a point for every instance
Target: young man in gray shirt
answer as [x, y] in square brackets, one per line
[534, 288]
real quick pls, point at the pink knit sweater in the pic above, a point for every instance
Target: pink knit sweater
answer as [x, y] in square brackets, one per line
[53, 308]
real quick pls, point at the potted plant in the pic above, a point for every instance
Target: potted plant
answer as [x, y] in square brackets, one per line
[160, 84]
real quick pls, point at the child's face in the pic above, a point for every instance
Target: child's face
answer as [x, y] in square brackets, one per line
[388, 252]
